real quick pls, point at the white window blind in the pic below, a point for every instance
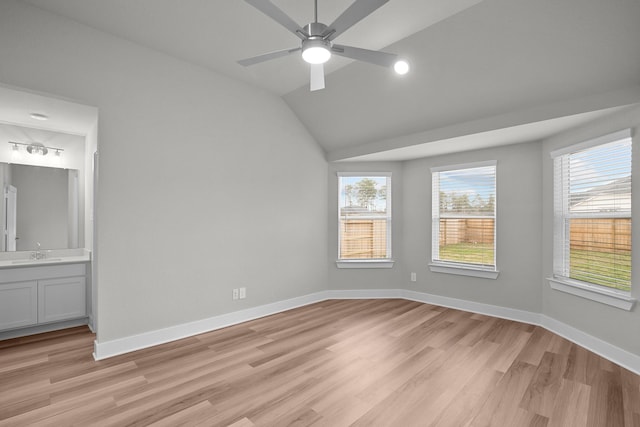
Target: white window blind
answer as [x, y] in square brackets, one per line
[464, 215]
[592, 213]
[364, 205]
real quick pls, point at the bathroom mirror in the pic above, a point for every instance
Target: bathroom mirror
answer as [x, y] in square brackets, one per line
[40, 205]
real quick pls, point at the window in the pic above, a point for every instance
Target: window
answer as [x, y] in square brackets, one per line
[464, 218]
[592, 212]
[364, 205]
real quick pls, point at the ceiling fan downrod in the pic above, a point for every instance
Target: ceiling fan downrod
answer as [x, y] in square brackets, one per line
[315, 11]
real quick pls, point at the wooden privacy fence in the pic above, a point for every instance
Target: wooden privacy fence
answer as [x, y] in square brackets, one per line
[466, 230]
[600, 234]
[363, 238]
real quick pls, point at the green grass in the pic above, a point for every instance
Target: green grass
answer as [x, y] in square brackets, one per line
[587, 266]
[472, 253]
[590, 266]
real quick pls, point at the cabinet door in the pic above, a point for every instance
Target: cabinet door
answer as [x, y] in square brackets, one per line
[18, 304]
[61, 299]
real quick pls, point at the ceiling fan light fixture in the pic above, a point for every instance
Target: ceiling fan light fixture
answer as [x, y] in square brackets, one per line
[401, 67]
[316, 51]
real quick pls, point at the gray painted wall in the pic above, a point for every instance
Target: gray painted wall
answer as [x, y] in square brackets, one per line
[248, 207]
[610, 324]
[518, 229]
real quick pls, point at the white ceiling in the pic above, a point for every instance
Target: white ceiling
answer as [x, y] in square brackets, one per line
[471, 60]
[216, 34]
[16, 107]
[504, 136]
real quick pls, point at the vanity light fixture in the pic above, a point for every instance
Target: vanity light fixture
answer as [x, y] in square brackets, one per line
[35, 148]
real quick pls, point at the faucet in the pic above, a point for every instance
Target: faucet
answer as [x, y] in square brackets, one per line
[38, 254]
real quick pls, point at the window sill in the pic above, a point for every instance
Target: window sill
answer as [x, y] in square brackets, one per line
[365, 263]
[610, 297]
[464, 271]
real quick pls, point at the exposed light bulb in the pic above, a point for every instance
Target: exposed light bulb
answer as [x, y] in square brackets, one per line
[316, 54]
[57, 160]
[15, 153]
[401, 67]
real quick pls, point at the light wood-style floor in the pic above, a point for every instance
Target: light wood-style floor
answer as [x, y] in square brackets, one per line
[335, 363]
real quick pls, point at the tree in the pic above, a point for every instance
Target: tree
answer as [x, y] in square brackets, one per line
[445, 201]
[461, 203]
[367, 192]
[382, 193]
[349, 194]
[491, 204]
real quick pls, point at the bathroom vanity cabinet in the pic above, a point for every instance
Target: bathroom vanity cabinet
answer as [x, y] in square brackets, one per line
[33, 296]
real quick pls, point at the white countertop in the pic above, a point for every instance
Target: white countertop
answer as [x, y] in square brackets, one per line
[53, 257]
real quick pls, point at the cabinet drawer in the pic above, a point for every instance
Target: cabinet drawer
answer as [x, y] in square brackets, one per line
[61, 299]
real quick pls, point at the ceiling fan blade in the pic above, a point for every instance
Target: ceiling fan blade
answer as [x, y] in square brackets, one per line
[317, 77]
[267, 56]
[358, 10]
[376, 57]
[272, 11]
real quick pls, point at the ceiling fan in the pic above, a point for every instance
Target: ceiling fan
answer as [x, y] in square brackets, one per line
[317, 39]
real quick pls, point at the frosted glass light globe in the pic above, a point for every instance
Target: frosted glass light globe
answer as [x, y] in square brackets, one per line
[401, 67]
[316, 54]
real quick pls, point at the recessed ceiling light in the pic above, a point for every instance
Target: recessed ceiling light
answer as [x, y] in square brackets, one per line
[39, 116]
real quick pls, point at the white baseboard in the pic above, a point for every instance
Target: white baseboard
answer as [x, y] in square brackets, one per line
[609, 351]
[103, 350]
[615, 354]
[475, 307]
[363, 294]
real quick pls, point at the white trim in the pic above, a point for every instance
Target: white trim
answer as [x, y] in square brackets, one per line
[103, 350]
[364, 294]
[365, 263]
[619, 299]
[474, 307]
[602, 348]
[463, 271]
[464, 166]
[604, 139]
[363, 174]
[615, 354]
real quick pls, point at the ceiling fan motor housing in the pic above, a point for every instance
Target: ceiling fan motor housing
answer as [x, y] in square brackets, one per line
[315, 29]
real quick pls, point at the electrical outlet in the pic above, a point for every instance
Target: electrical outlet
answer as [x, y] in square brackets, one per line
[243, 293]
[413, 277]
[235, 293]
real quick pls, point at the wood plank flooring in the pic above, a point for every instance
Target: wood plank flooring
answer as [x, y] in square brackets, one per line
[335, 363]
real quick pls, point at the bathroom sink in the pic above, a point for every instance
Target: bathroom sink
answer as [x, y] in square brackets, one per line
[35, 261]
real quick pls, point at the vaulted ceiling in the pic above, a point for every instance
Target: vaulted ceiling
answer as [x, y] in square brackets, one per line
[524, 67]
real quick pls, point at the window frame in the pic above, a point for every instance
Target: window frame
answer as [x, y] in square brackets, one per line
[453, 267]
[601, 293]
[386, 262]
